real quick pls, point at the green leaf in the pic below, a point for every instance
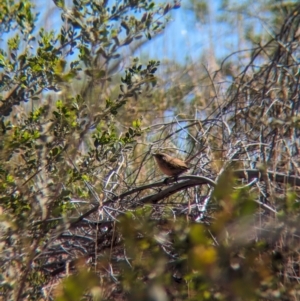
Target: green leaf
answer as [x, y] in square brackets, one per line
[59, 3]
[136, 123]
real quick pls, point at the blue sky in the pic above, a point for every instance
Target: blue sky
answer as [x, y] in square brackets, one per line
[185, 38]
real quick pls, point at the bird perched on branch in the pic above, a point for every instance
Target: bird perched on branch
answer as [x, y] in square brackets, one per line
[170, 166]
[173, 167]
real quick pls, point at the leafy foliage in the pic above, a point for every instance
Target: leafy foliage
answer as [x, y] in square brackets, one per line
[83, 216]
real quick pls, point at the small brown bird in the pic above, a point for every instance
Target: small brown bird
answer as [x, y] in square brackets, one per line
[170, 166]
